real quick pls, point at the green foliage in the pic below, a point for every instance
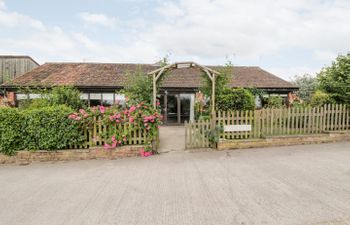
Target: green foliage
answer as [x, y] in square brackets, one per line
[235, 99]
[335, 79]
[138, 87]
[12, 123]
[120, 123]
[34, 103]
[307, 86]
[63, 95]
[221, 82]
[274, 102]
[46, 128]
[214, 134]
[50, 129]
[321, 98]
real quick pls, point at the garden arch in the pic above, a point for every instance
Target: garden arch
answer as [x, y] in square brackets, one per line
[158, 73]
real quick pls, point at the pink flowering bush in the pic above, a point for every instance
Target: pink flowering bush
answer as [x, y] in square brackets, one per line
[120, 123]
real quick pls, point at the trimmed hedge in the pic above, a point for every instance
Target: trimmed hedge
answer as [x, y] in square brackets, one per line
[235, 99]
[47, 128]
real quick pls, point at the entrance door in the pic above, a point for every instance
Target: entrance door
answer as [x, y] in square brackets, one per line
[177, 108]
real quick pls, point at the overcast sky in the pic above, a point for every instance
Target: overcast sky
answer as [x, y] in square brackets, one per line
[284, 37]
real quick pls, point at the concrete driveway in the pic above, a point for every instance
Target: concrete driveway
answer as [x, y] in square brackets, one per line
[285, 185]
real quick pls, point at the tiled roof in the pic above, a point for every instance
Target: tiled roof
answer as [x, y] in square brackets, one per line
[113, 75]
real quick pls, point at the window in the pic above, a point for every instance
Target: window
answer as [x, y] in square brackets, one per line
[95, 99]
[107, 99]
[119, 99]
[21, 96]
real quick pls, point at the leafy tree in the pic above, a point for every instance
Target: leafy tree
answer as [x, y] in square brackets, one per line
[66, 95]
[221, 81]
[235, 99]
[307, 86]
[321, 98]
[138, 87]
[335, 79]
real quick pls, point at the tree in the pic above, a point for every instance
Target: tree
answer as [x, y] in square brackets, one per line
[335, 79]
[307, 86]
[221, 81]
[320, 99]
[66, 95]
[138, 87]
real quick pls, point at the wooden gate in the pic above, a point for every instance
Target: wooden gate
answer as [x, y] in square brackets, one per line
[196, 134]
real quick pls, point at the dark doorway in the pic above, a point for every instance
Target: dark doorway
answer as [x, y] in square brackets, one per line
[176, 108]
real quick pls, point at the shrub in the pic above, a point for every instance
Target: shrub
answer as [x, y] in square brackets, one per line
[64, 95]
[321, 98]
[274, 102]
[11, 130]
[47, 128]
[235, 99]
[120, 123]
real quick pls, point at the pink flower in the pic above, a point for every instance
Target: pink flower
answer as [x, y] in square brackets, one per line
[118, 121]
[146, 154]
[131, 119]
[107, 146]
[114, 145]
[111, 118]
[82, 111]
[124, 139]
[102, 109]
[113, 138]
[119, 142]
[158, 103]
[78, 118]
[72, 116]
[132, 109]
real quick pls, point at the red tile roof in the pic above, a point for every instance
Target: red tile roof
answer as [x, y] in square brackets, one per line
[113, 75]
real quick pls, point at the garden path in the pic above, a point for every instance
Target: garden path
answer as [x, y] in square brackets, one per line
[172, 138]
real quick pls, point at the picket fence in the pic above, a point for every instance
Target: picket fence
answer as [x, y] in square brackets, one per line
[94, 134]
[272, 122]
[196, 134]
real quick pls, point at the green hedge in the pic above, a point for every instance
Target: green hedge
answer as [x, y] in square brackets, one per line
[37, 129]
[235, 99]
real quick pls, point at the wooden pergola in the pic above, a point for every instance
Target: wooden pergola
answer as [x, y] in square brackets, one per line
[158, 73]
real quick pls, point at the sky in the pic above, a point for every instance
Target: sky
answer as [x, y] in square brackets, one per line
[284, 37]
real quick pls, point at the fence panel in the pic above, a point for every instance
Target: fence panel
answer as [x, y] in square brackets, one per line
[94, 134]
[286, 121]
[197, 134]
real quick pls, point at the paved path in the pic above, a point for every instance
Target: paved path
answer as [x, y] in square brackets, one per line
[172, 138]
[290, 185]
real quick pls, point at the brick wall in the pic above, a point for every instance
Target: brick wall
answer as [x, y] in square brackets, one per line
[26, 157]
[284, 140]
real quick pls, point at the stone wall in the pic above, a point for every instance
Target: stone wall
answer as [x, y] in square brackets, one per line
[26, 157]
[284, 140]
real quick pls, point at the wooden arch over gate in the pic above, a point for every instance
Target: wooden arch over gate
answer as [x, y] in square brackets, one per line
[158, 73]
